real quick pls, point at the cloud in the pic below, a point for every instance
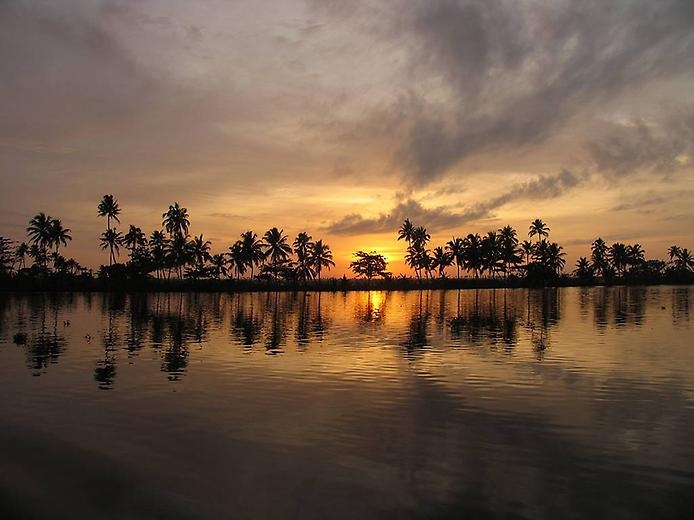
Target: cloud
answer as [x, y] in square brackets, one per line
[443, 218]
[663, 146]
[489, 76]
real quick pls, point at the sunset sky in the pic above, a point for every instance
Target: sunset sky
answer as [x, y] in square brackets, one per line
[344, 117]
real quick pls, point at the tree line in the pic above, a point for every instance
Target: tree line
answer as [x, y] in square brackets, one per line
[171, 253]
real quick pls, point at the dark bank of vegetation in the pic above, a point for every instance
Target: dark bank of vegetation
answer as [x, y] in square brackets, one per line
[171, 260]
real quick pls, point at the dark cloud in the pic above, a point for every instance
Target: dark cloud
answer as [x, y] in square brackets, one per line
[498, 75]
[664, 146]
[443, 218]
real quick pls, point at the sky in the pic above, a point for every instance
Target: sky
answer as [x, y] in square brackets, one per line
[344, 118]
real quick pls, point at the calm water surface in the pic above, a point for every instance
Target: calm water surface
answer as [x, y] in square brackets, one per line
[441, 404]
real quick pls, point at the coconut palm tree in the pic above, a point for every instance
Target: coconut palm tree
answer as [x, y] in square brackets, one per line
[199, 250]
[20, 252]
[473, 253]
[527, 248]
[456, 246]
[539, 229]
[108, 207]
[673, 252]
[134, 239]
[508, 248]
[599, 257]
[237, 260]
[406, 231]
[302, 249]
[59, 234]
[251, 250]
[111, 239]
[276, 247]
[441, 259]
[320, 257]
[220, 265]
[40, 233]
[583, 271]
[176, 220]
[555, 258]
[684, 260]
[178, 253]
[158, 248]
[619, 257]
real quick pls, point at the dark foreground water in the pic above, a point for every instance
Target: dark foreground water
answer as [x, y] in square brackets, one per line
[473, 404]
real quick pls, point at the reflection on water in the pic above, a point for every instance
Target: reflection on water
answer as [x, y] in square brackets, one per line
[533, 403]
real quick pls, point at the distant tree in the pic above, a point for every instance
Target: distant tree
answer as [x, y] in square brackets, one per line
[199, 251]
[509, 253]
[108, 207]
[539, 229]
[320, 256]
[456, 246]
[473, 254]
[7, 256]
[237, 260]
[369, 265]
[302, 250]
[176, 221]
[20, 253]
[527, 248]
[220, 265]
[111, 239]
[441, 259]
[584, 271]
[618, 255]
[134, 239]
[276, 247]
[406, 231]
[59, 234]
[40, 233]
[159, 245]
[251, 250]
[599, 258]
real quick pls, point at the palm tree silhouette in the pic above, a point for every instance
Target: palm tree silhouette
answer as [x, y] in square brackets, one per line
[111, 239]
[276, 247]
[539, 229]
[200, 252]
[134, 239]
[508, 245]
[251, 250]
[598, 257]
[320, 257]
[59, 234]
[441, 260]
[237, 260]
[456, 246]
[159, 245]
[302, 249]
[473, 253]
[527, 247]
[22, 251]
[219, 265]
[40, 233]
[108, 207]
[176, 220]
[406, 231]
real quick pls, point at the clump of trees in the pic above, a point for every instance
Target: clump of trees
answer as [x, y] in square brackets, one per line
[172, 252]
[369, 265]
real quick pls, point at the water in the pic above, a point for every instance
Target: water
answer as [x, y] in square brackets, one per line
[491, 403]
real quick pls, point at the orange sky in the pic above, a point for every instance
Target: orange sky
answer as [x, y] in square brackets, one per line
[343, 119]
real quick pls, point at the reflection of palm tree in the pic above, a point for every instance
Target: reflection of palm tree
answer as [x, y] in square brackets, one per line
[539, 229]
[320, 257]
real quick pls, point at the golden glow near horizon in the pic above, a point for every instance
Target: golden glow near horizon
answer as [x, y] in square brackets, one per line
[326, 119]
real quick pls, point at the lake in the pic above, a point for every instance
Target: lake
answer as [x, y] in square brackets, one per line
[555, 403]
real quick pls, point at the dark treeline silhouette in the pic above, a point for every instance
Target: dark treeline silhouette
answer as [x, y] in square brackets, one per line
[170, 259]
